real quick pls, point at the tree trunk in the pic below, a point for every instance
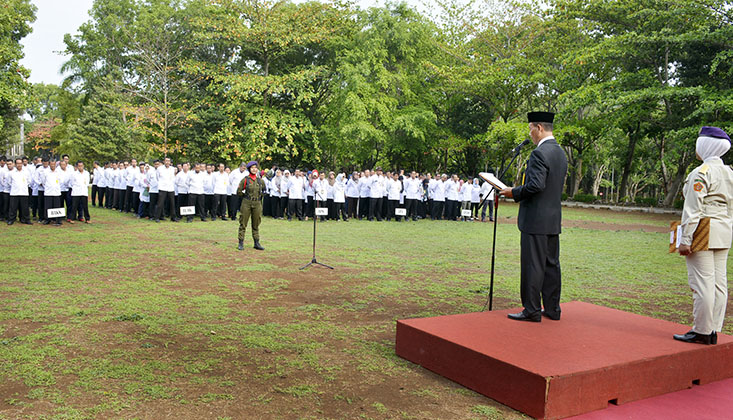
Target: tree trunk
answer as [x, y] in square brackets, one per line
[628, 160]
[674, 188]
[577, 177]
[598, 176]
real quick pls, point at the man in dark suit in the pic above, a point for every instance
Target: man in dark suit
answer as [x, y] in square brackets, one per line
[539, 221]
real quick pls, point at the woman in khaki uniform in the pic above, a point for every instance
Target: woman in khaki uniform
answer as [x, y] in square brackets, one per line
[708, 192]
[251, 189]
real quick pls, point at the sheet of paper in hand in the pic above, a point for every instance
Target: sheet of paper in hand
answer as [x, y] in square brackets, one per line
[494, 181]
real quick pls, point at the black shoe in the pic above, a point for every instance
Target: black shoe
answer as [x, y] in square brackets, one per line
[44, 222]
[27, 222]
[714, 338]
[693, 337]
[11, 222]
[258, 246]
[203, 220]
[523, 316]
[553, 317]
[223, 218]
[189, 220]
[241, 246]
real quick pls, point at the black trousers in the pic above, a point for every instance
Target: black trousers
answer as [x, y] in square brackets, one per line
[490, 205]
[209, 205]
[153, 205]
[266, 206]
[41, 206]
[109, 197]
[375, 208]
[540, 273]
[275, 204]
[169, 198]
[235, 201]
[53, 202]
[450, 209]
[353, 203]
[295, 208]
[33, 200]
[391, 206]
[116, 199]
[18, 206]
[197, 200]
[102, 192]
[283, 207]
[80, 207]
[363, 207]
[128, 199]
[142, 209]
[310, 207]
[411, 206]
[340, 209]
[220, 206]
[436, 213]
[4, 201]
[135, 202]
[66, 201]
[181, 201]
[95, 191]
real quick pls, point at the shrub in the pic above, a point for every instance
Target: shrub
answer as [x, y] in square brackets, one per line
[585, 198]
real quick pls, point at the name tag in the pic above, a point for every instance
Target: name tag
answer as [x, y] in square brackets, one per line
[466, 213]
[60, 212]
[400, 212]
[188, 210]
[321, 211]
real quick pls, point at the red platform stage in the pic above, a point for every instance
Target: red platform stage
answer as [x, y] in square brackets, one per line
[593, 357]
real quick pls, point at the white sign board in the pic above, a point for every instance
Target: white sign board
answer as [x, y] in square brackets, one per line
[60, 212]
[466, 213]
[188, 210]
[400, 212]
[321, 211]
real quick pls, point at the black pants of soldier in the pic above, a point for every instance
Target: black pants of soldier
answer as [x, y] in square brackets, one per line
[169, 198]
[391, 206]
[209, 206]
[353, 203]
[4, 197]
[436, 213]
[181, 201]
[411, 207]
[250, 209]
[109, 197]
[540, 273]
[197, 200]
[53, 202]
[310, 207]
[220, 206]
[283, 207]
[295, 208]
[41, 206]
[266, 206]
[19, 204]
[102, 193]
[152, 206]
[340, 209]
[79, 207]
[127, 205]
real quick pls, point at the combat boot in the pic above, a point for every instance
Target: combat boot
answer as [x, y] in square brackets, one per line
[258, 246]
[241, 245]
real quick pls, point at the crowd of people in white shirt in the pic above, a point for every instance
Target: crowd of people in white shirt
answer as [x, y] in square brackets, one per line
[159, 190]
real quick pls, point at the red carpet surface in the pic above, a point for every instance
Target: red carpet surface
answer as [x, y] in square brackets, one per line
[554, 369]
[706, 402]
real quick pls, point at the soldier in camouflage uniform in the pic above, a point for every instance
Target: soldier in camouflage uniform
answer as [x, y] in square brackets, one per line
[251, 189]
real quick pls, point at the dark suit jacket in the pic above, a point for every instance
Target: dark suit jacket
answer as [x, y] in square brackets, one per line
[539, 198]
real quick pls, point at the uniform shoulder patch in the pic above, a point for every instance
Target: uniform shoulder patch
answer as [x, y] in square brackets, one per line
[697, 186]
[704, 168]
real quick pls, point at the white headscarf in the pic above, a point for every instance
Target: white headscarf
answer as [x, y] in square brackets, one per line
[711, 147]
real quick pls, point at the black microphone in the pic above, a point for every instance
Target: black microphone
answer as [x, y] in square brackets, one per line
[522, 144]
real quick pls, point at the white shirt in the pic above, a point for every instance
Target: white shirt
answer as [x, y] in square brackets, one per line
[108, 177]
[65, 177]
[235, 177]
[208, 185]
[437, 190]
[79, 184]
[486, 188]
[394, 190]
[98, 179]
[364, 187]
[130, 174]
[466, 191]
[412, 189]
[376, 189]
[151, 177]
[220, 180]
[19, 182]
[339, 190]
[296, 187]
[476, 193]
[352, 188]
[138, 182]
[121, 179]
[4, 180]
[196, 182]
[166, 178]
[451, 190]
[51, 183]
[321, 188]
[181, 182]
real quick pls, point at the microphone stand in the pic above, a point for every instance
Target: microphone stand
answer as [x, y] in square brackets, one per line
[314, 261]
[490, 298]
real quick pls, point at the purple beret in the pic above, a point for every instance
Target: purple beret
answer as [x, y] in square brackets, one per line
[252, 163]
[708, 131]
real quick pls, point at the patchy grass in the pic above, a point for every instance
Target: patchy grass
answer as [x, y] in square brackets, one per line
[126, 318]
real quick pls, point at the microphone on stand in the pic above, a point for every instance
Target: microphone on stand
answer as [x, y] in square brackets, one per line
[520, 145]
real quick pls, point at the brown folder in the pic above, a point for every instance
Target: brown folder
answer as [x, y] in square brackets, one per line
[700, 238]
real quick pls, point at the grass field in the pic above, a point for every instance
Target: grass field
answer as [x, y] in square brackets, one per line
[131, 319]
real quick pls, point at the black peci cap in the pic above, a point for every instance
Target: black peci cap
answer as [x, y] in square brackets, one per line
[540, 117]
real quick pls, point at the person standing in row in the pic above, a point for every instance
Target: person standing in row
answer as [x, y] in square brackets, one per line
[166, 175]
[708, 192]
[539, 220]
[364, 194]
[296, 188]
[4, 189]
[181, 184]
[220, 180]
[19, 181]
[196, 192]
[209, 192]
[251, 188]
[52, 192]
[80, 194]
[235, 200]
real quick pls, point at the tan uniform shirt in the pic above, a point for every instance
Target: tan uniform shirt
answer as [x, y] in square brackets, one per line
[708, 192]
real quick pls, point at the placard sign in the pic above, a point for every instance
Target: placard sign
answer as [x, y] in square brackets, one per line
[188, 210]
[400, 212]
[60, 212]
[466, 213]
[321, 211]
